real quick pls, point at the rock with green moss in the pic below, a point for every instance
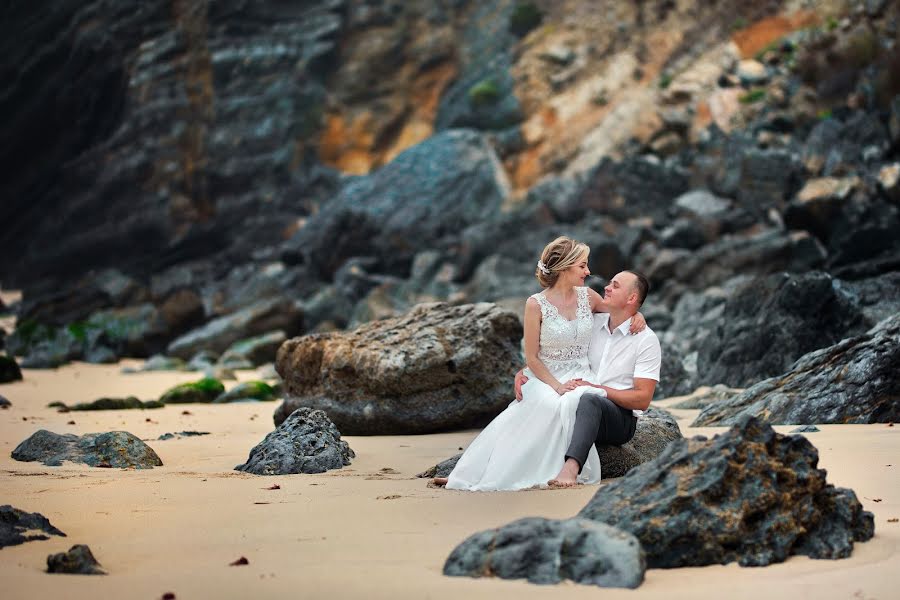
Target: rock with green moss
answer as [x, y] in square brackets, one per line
[9, 370]
[484, 92]
[130, 402]
[248, 390]
[203, 391]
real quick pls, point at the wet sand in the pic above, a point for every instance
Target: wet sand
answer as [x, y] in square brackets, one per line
[370, 530]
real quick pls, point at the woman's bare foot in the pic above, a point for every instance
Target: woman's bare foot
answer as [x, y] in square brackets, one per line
[568, 475]
[439, 481]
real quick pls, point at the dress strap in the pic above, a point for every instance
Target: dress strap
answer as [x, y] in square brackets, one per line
[545, 304]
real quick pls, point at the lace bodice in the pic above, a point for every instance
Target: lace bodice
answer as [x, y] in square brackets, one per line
[564, 343]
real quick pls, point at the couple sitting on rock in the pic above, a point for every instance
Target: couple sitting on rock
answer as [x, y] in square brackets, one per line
[592, 367]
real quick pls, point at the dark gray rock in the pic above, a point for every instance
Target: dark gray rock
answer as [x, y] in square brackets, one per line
[854, 381]
[79, 560]
[770, 322]
[806, 429]
[419, 201]
[306, 442]
[158, 362]
[18, 527]
[702, 399]
[674, 380]
[655, 429]
[749, 495]
[437, 368]
[257, 319]
[9, 369]
[546, 551]
[4, 403]
[117, 449]
[181, 434]
[635, 187]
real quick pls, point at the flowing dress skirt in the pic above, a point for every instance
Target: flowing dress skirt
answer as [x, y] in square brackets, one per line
[525, 445]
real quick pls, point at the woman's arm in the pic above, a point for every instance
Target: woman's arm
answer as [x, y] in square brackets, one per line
[533, 343]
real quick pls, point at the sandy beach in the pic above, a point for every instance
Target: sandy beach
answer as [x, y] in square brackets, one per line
[370, 530]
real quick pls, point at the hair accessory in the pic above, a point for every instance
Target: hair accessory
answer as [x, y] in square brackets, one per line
[543, 268]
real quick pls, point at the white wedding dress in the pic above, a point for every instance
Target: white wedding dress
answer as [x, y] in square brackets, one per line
[525, 445]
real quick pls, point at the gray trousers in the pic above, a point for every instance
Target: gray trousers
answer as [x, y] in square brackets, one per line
[600, 421]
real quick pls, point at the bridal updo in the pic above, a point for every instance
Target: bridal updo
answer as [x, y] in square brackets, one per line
[558, 255]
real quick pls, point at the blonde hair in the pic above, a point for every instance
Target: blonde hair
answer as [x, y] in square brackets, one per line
[558, 255]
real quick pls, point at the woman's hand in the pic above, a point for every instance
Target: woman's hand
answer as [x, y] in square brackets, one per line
[568, 386]
[638, 324]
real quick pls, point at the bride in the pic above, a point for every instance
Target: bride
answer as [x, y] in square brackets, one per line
[525, 445]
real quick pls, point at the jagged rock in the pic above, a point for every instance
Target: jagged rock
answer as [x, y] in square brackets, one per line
[130, 402]
[759, 254]
[306, 442]
[117, 449]
[705, 396]
[877, 297]
[889, 181]
[635, 187]
[439, 367]
[546, 551]
[749, 495]
[806, 429]
[854, 381]
[838, 147]
[655, 429]
[247, 390]
[674, 380]
[181, 434]
[18, 527]
[259, 318]
[9, 369]
[418, 201]
[203, 391]
[79, 560]
[817, 207]
[770, 322]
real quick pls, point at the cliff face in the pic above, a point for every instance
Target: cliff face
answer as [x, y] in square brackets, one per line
[144, 134]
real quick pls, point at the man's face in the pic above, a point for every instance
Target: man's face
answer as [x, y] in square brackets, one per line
[620, 290]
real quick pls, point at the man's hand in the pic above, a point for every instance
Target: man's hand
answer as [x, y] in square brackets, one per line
[520, 381]
[638, 324]
[583, 382]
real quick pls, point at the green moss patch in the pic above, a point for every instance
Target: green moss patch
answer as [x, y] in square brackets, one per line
[203, 391]
[249, 390]
[484, 92]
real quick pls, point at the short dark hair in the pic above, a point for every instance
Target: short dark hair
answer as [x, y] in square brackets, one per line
[641, 285]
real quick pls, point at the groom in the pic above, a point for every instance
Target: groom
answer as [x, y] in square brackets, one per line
[626, 369]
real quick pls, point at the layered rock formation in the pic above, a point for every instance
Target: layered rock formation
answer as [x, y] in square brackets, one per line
[853, 381]
[438, 367]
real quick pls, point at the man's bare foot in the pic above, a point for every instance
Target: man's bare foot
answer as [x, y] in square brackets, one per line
[568, 475]
[439, 481]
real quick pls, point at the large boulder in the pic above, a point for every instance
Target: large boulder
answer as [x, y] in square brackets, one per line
[437, 368]
[9, 369]
[419, 201]
[749, 495]
[856, 380]
[115, 449]
[306, 442]
[770, 322]
[546, 551]
[655, 429]
[79, 560]
[18, 527]
[257, 319]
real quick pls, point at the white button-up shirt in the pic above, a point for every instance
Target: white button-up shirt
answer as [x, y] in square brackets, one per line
[617, 357]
